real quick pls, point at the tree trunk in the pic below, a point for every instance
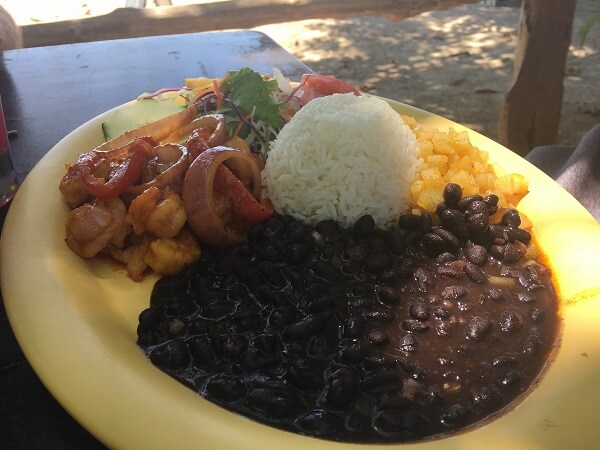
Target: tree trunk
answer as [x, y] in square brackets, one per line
[530, 114]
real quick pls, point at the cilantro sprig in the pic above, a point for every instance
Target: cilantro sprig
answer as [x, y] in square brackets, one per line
[253, 96]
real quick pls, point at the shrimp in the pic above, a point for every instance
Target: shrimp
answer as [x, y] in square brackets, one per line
[74, 189]
[163, 218]
[94, 226]
[169, 255]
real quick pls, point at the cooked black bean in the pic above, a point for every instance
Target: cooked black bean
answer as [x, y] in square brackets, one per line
[426, 223]
[418, 309]
[439, 209]
[414, 326]
[225, 388]
[304, 328]
[454, 221]
[465, 202]
[330, 230]
[410, 221]
[354, 353]
[445, 257]
[364, 226]
[494, 294]
[341, 389]
[388, 295]
[487, 396]
[477, 254]
[233, 345]
[441, 312]
[378, 337]
[477, 223]
[454, 292]
[477, 207]
[272, 402]
[510, 321]
[423, 278]
[318, 422]
[523, 236]
[511, 218]
[201, 349]
[408, 343]
[434, 244]
[491, 202]
[379, 315]
[149, 319]
[523, 297]
[451, 241]
[497, 251]
[401, 422]
[448, 272]
[354, 327]
[452, 194]
[170, 355]
[511, 253]
[475, 273]
[456, 414]
[359, 334]
[508, 271]
[477, 328]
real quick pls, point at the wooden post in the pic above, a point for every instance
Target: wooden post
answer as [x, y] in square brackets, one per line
[530, 114]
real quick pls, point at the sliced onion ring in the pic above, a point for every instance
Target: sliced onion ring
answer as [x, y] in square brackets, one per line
[136, 155]
[198, 194]
[178, 156]
[214, 121]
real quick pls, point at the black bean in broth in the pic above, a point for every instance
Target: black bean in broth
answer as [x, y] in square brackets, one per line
[361, 335]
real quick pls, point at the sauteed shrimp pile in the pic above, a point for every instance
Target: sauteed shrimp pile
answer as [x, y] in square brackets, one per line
[149, 196]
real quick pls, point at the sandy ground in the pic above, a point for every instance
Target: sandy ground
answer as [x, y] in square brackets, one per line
[457, 63]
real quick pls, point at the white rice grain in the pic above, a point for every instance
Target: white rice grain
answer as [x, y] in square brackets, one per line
[340, 157]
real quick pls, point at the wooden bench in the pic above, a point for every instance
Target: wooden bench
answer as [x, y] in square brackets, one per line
[531, 110]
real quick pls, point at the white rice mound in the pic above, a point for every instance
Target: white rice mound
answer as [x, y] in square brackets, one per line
[340, 157]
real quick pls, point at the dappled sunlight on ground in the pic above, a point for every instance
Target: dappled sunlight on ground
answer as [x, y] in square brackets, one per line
[430, 61]
[456, 63]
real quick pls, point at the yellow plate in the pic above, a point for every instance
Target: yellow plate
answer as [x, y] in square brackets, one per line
[76, 322]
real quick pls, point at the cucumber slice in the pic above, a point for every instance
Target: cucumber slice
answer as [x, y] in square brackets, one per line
[136, 114]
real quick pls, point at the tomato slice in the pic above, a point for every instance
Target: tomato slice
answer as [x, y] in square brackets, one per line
[314, 86]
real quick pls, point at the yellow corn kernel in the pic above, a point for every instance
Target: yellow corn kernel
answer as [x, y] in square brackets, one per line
[432, 178]
[440, 162]
[425, 148]
[429, 198]
[416, 187]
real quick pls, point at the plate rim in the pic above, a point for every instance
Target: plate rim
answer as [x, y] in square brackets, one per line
[120, 435]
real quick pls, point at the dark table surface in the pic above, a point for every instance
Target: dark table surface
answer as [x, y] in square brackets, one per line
[46, 93]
